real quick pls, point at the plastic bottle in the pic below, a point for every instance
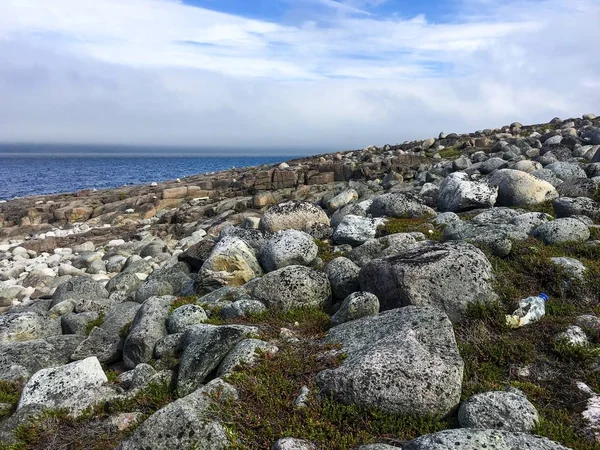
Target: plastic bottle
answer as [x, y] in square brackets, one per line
[531, 309]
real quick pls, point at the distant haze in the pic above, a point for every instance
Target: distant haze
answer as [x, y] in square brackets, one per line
[289, 76]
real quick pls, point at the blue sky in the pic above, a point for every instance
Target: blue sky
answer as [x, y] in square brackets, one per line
[326, 74]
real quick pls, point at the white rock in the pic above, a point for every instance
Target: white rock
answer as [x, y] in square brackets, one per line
[115, 243]
[74, 386]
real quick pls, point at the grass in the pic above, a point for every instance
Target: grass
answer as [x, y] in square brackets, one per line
[494, 354]
[409, 225]
[181, 301]
[450, 153]
[545, 207]
[10, 393]
[265, 411]
[56, 430]
[94, 323]
[325, 251]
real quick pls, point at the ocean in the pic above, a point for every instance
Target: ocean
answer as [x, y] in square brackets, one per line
[37, 170]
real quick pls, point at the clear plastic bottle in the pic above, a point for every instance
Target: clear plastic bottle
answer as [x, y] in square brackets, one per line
[531, 309]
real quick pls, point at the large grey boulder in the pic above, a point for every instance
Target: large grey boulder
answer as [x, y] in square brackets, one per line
[232, 262]
[27, 326]
[292, 286]
[147, 328]
[342, 199]
[343, 277]
[26, 358]
[123, 285]
[185, 316]
[376, 248]
[245, 352]
[527, 222]
[355, 230]
[79, 289]
[475, 439]
[187, 423]
[516, 188]
[204, 347]
[499, 410]
[254, 238]
[74, 386]
[458, 193]
[449, 276]
[560, 231]
[355, 306]
[398, 204]
[287, 248]
[403, 361]
[294, 215]
[566, 170]
[580, 206]
[152, 288]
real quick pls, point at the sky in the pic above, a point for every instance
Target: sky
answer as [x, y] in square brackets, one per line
[290, 74]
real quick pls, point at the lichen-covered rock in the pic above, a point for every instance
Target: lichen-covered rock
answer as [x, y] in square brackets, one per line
[355, 306]
[147, 328]
[74, 386]
[560, 231]
[498, 410]
[79, 289]
[516, 188]
[245, 352]
[475, 439]
[403, 361]
[232, 262]
[448, 275]
[342, 199]
[356, 230]
[529, 221]
[27, 326]
[384, 246]
[26, 358]
[293, 444]
[294, 215]
[185, 316]
[292, 286]
[580, 206]
[566, 170]
[187, 423]
[458, 193]
[287, 248]
[398, 204]
[343, 277]
[204, 347]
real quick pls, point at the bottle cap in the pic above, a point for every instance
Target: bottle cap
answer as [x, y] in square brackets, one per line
[544, 296]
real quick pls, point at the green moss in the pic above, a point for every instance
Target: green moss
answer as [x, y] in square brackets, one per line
[265, 411]
[325, 251]
[450, 153]
[124, 331]
[112, 375]
[409, 225]
[10, 393]
[94, 323]
[180, 301]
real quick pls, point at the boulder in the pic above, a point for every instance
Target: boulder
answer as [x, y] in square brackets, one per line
[580, 206]
[458, 193]
[292, 286]
[204, 347]
[294, 215]
[88, 295]
[560, 231]
[287, 248]
[342, 199]
[398, 204]
[475, 439]
[402, 361]
[498, 410]
[375, 248]
[147, 328]
[232, 262]
[355, 306]
[448, 275]
[197, 254]
[27, 326]
[187, 423]
[516, 188]
[244, 353]
[185, 316]
[356, 230]
[343, 277]
[566, 170]
[293, 444]
[74, 386]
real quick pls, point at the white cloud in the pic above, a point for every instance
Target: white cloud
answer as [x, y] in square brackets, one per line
[158, 71]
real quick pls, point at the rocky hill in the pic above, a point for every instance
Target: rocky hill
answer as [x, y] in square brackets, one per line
[354, 300]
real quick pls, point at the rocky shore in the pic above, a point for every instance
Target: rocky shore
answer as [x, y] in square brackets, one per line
[347, 300]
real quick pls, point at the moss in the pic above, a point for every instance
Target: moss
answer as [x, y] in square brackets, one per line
[450, 153]
[10, 393]
[57, 430]
[112, 375]
[181, 301]
[94, 323]
[265, 411]
[545, 207]
[325, 251]
[409, 225]
[124, 331]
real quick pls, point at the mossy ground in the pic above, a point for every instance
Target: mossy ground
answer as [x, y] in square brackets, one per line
[409, 225]
[10, 392]
[496, 356]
